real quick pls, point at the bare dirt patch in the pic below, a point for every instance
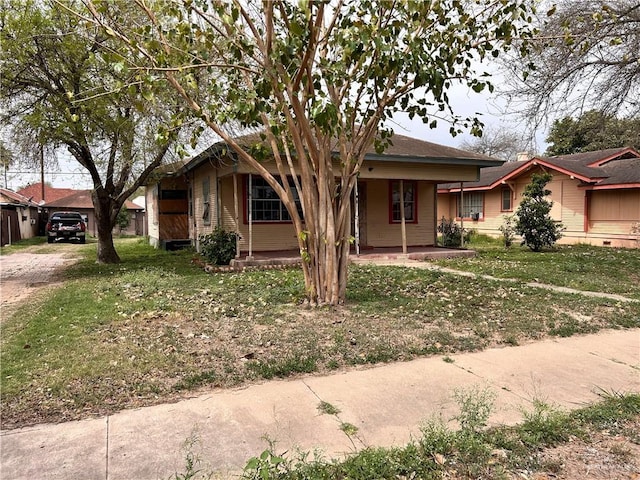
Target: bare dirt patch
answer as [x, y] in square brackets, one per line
[605, 456]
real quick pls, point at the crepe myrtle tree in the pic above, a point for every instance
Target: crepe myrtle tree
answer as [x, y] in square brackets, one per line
[319, 80]
[64, 85]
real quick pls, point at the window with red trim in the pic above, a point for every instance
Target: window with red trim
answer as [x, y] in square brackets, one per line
[472, 205]
[505, 200]
[410, 190]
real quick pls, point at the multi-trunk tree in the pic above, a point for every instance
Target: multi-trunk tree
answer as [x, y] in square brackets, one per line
[64, 85]
[319, 80]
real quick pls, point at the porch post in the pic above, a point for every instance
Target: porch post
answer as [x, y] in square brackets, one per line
[403, 223]
[250, 207]
[236, 218]
[461, 215]
[356, 220]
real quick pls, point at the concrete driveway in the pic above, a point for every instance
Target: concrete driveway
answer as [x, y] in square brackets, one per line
[22, 273]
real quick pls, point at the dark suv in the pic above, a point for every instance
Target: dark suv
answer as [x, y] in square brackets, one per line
[67, 226]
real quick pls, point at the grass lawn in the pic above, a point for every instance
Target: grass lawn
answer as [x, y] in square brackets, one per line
[157, 327]
[583, 267]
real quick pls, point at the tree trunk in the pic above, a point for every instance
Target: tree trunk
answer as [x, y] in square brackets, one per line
[105, 221]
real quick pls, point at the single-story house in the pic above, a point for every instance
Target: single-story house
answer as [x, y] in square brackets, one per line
[596, 196]
[59, 199]
[18, 217]
[189, 199]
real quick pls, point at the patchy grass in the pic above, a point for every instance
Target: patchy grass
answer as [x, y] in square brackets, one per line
[549, 443]
[583, 267]
[22, 245]
[156, 327]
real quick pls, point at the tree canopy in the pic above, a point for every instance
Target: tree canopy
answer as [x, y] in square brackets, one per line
[318, 80]
[585, 56]
[591, 131]
[501, 143]
[64, 84]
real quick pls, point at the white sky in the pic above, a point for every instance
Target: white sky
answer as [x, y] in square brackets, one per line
[70, 174]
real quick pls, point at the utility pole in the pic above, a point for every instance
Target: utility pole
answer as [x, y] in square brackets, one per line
[42, 171]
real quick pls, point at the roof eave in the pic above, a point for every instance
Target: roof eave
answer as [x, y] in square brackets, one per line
[476, 162]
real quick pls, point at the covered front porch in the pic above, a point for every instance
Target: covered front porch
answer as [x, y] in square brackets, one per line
[292, 257]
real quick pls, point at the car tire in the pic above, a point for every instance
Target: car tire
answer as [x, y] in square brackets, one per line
[49, 239]
[83, 240]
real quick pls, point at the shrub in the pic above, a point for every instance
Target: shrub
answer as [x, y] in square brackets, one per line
[123, 219]
[534, 223]
[219, 246]
[508, 230]
[452, 233]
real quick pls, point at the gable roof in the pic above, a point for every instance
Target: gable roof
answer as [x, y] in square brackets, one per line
[81, 199]
[9, 197]
[402, 149]
[611, 168]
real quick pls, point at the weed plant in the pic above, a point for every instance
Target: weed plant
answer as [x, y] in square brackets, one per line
[473, 451]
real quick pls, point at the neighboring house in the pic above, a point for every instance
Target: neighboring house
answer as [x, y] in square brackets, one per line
[214, 189]
[18, 217]
[58, 199]
[596, 196]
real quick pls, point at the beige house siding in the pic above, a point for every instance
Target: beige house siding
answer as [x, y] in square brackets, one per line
[151, 205]
[612, 213]
[197, 225]
[440, 173]
[381, 233]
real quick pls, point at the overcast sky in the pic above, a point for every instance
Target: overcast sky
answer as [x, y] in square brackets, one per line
[71, 175]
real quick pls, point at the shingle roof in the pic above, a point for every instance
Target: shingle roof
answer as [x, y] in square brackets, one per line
[11, 197]
[81, 199]
[615, 166]
[402, 149]
[34, 192]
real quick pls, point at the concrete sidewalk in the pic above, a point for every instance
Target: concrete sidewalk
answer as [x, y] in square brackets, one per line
[387, 404]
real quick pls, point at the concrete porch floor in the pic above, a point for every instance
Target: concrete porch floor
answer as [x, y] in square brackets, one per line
[292, 257]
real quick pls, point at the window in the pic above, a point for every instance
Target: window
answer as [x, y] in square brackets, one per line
[410, 205]
[472, 205]
[266, 206]
[166, 194]
[206, 202]
[506, 200]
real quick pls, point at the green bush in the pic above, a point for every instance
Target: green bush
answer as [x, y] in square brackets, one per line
[218, 247]
[452, 233]
[508, 230]
[534, 223]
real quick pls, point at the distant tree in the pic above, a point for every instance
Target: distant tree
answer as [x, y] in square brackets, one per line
[591, 131]
[6, 156]
[123, 219]
[586, 55]
[534, 223]
[499, 143]
[64, 85]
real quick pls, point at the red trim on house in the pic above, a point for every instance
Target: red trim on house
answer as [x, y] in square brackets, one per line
[602, 161]
[535, 161]
[616, 186]
[587, 204]
[415, 202]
